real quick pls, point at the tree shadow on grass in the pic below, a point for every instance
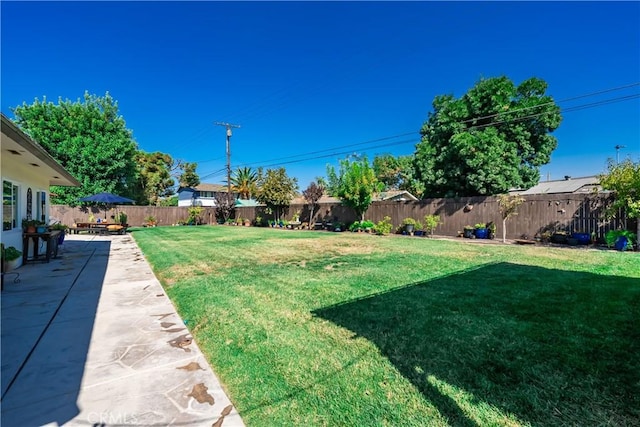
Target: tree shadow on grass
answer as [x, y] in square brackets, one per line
[549, 347]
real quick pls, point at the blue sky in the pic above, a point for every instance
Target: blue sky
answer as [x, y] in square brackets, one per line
[310, 83]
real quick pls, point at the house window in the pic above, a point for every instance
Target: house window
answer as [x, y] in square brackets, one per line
[9, 205]
[41, 205]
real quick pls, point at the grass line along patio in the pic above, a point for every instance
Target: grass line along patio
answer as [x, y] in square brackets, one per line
[313, 328]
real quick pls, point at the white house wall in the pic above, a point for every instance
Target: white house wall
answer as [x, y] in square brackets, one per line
[24, 177]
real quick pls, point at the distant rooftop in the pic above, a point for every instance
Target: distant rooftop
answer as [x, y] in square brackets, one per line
[584, 184]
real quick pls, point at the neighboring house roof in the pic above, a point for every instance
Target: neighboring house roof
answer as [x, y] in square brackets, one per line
[383, 196]
[16, 143]
[395, 195]
[212, 187]
[568, 185]
[216, 188]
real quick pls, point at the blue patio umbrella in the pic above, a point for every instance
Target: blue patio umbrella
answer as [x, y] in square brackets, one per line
[106, 198]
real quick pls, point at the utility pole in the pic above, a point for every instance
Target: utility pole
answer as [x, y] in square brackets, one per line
[228, 126]
[618, 147]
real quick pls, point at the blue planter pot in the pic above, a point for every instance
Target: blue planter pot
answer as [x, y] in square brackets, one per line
[41, 229]
[582, 238]
[481, 233]
[621, 243]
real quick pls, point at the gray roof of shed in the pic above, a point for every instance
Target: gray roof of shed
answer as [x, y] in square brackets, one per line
[571, 185]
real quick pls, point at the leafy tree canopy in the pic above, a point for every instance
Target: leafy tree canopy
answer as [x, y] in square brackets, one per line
[276, 189]
[154, 177]
[624, 180]
[189, 176]
[89, 139]
[355, 184]
[397, 173]
[493, 138]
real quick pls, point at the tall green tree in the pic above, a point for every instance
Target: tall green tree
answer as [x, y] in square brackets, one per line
[88, 138]
[244, 181]
[189, 176]
[355, 184]
[155, 180]
[494, 138]
[276, 189]
[397, 173]
[624, 180]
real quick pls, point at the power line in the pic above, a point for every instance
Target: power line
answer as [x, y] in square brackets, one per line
[318, 154]
[573, 98]
[334, 148]
[566, 110]
[277, 162]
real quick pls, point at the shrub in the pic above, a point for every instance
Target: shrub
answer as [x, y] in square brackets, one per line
[150, 221]
[367, 224]
[122, 218]
[431, 222]
[355, 226]
[383, 227]
[612, 236]
[195, 213]
[11, 253]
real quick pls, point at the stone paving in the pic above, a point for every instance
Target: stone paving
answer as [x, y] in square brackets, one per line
[91, 339]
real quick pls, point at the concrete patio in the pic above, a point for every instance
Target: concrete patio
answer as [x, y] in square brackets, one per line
[90, 339]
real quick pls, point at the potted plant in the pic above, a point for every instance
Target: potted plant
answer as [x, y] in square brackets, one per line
[247, 222]
[491, 227]
[468, 232]
[559, 237]
[9, 257]
[63, 231]
[150, 221]
[367, 226]
[122, 218]
[582, 238]
[409, 225]
[418, 229]
[355, 227]
[29, 225]
[431, 222]
[480, 230]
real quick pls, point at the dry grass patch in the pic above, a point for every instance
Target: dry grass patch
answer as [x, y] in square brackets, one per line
[304, 250]
[180, 272]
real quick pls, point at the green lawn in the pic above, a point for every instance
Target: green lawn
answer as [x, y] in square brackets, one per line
[314, 328]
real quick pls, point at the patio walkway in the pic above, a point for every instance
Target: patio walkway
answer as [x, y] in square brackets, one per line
[90, 339]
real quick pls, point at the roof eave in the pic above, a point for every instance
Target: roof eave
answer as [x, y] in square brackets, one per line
[13, 131]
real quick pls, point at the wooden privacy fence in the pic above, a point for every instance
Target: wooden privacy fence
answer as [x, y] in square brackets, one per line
[135, 214]
[539, 213]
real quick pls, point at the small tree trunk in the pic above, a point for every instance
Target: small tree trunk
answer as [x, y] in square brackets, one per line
[504, 230]
[311, 219]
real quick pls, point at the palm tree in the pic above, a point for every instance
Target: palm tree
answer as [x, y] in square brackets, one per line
[244, 182]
